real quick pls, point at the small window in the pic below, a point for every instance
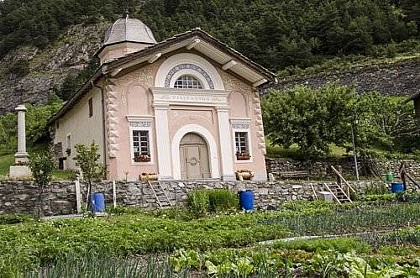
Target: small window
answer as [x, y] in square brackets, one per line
[242, 147]
[141, 146]
[68, 145]
[90, 107]
[188, 82]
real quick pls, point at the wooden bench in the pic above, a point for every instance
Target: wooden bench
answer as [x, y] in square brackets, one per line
[295, 174]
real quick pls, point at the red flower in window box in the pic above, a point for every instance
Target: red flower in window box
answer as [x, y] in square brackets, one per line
[142, 158]
[242, 156]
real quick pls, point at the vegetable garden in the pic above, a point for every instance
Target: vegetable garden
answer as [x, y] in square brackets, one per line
[359, 239]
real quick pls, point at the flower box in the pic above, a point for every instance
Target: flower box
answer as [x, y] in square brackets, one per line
[243, 156]
[142, 158]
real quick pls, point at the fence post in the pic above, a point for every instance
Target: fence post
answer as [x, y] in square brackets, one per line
[78, 196]
[114, 194]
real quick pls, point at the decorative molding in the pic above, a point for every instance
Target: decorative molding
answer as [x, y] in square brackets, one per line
[259, 123]
[193, 44]
[244, 124]
[229, 65]
[188, 66]
[111, 98]
[140, 124]
[166, 96]
[259, 82]
[241, 126]
[154, 58]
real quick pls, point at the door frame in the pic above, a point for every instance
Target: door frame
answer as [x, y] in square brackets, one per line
[200, 148]
[212, 149]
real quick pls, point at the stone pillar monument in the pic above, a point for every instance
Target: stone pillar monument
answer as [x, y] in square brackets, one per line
[20, 169]
[21, 156]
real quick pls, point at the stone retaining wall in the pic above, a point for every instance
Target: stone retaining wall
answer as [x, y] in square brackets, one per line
[60, 197]
[323, 169]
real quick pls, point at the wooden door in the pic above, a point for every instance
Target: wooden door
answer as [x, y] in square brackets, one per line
[194, 157]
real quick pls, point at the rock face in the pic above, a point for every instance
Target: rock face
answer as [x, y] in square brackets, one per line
[48, 67]
[397, 79]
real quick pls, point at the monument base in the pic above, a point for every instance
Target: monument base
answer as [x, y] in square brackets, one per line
[20, 171]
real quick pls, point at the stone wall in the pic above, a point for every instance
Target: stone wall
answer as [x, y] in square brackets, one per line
[60, 197]
[278, 166]
[396, 79]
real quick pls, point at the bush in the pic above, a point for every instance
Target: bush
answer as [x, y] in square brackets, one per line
[201, 202]
[376, 189]
[198, 202]
[222, 200]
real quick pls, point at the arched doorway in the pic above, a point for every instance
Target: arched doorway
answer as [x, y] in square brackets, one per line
[194, 157]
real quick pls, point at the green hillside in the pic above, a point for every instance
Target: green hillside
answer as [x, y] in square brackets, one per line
[276, 34]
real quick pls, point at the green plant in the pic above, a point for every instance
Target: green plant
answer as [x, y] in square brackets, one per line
[42, 165]
[6, 219]
[198, 202]
[87, 158]
[376, 189]
[342, 245]
[222, 200]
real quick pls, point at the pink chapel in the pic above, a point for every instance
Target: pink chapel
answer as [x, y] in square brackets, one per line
[185, 108]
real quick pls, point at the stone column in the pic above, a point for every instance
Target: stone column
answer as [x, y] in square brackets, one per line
[163, 142]
[21, 156]
[225, 139]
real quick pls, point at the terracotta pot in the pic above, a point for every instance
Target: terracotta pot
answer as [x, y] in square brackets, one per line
[245, 175]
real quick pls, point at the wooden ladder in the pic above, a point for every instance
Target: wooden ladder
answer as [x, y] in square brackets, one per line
[341, 194]
[338, 193]
[413, 181]
[159, 192]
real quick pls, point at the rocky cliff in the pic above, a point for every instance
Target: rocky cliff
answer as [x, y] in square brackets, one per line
[47, 68]
[401, 78]
[44, 71]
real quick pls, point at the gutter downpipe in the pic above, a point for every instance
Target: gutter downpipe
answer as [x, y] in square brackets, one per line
[103, 127]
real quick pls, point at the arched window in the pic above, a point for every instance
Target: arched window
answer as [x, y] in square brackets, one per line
[188, 82]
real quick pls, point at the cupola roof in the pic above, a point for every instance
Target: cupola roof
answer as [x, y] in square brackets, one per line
[129, 30]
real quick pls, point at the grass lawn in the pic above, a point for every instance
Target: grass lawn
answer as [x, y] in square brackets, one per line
[5, 162]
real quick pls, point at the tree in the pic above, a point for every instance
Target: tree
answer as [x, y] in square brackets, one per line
[310, 118]
[386, 123]
[41, 165]
[87, 159]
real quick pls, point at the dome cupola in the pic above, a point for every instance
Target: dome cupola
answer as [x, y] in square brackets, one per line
[126, 35]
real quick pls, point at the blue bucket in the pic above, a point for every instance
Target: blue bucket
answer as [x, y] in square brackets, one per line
[98, 202]
[397, 187]
[247, 200]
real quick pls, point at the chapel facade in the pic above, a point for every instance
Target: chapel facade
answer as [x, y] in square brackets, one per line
[184, 108]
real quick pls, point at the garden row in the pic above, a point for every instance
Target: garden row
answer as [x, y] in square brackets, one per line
[32, 244]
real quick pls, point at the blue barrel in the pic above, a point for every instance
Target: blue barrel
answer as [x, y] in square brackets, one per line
[397, 187]
[98, 202]
[247, 200]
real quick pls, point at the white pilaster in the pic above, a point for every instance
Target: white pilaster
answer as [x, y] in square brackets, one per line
[225, 143]
[21, 155]
[163, 141]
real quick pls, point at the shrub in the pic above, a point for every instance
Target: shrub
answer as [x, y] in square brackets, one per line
[198, 202]
[201, 202]
[376, 189]
[222, 200]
